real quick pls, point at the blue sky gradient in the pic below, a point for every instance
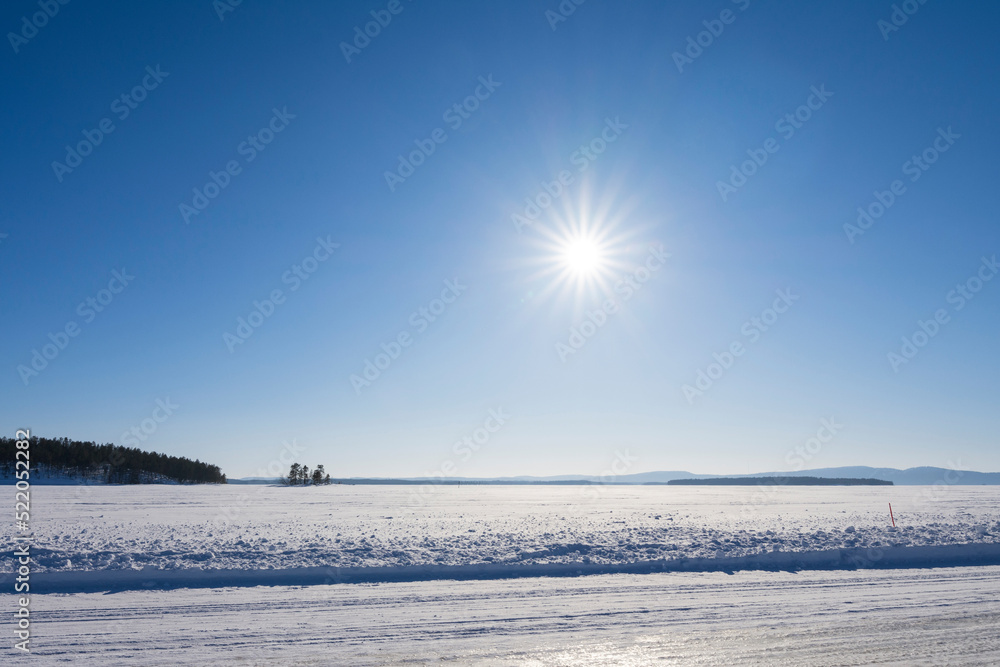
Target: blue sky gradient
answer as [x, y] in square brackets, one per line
[553, 87]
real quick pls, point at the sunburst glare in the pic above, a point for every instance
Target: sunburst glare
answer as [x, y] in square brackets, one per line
[581, 250]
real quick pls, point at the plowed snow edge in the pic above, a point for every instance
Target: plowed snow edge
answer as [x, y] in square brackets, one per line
[89, 581]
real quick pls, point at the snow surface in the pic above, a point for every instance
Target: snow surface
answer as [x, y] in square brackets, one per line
[867, 617]
[494, 528]
[196, 575]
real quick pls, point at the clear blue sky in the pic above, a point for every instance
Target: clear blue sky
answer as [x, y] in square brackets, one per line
[674, 132]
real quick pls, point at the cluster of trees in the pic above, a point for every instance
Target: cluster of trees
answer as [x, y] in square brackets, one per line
[109, 463]
[299, 475]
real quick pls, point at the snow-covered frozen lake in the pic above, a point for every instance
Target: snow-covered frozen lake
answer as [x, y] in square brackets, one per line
[171, 575]
[345, 526]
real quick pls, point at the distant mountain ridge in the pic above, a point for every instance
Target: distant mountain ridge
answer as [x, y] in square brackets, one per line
[924, 475]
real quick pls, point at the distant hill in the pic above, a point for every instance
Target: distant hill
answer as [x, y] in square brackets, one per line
[909, 477]
[787, 480]
[924, 475]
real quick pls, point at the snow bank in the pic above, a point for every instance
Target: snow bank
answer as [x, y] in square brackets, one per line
[84, 581]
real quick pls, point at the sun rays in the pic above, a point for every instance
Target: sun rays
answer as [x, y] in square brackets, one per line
[577, 253]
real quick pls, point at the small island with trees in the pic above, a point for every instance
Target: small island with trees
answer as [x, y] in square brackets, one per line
[299, 475]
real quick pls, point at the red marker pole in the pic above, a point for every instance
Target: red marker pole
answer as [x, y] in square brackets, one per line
[891, 516]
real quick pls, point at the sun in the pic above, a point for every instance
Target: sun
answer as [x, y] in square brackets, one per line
[583, 257]
[576, 255]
